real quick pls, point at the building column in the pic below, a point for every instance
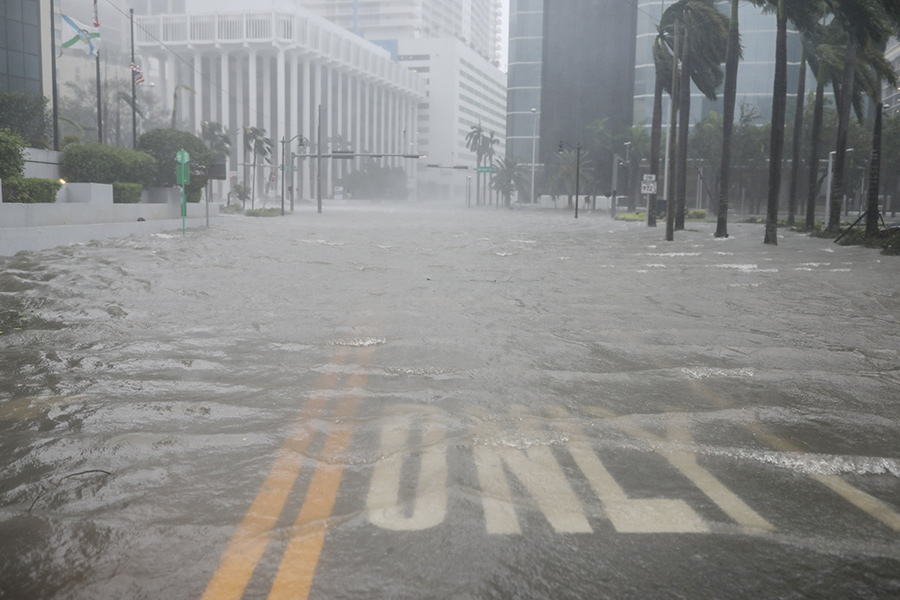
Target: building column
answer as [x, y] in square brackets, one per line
[198, 97]
[328, 132]
[280, 119]
[316, 77]
[295, 126]
[306, 117]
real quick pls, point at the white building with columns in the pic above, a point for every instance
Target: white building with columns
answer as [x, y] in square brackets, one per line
[273, 67]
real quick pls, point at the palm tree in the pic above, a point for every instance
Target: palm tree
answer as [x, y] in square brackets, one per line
[509, 179]
[702, 53]
[257, 144]
[732, 58]
[473, 143]
[868, 25]
[704, 33]
[488, 143]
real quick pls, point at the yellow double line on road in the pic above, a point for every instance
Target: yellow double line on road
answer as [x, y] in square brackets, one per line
[248, 543]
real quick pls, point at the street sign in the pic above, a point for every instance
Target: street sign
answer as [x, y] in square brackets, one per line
[183, 174]
[182, 157]
[648, 187]
[649, 177]
[485, 169]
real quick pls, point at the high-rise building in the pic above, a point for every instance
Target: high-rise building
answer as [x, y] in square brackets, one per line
[462, 90]
[526, 47]
[573, 62]
[476, 23]
[25, 46]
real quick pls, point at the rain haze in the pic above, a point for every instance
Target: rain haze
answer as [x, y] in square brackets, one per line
[404, 343]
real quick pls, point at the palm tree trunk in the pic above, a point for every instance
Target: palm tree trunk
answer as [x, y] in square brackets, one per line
[684, 100]
[732, 58]
[795, 150]
[813, 185]
[874, 172]
[655, 139]
[837, 187]
[670, 183]
[779, 108]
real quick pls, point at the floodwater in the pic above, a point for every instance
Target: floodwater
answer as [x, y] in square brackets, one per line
[396, 402]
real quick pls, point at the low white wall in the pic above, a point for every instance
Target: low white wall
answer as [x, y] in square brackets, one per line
[45, 164]
[85, 211]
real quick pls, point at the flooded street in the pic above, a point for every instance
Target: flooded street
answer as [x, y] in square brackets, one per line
[396, 402]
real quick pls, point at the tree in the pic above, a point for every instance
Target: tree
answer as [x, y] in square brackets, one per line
[217, 140]
[868, 25]
[12, 154]
[706, 145]
[487, 150]
[732, 58]
[509, 179]
[258, 145]
[803, 13]
[779, 107]
[164, 144]
[26, 115]
[701, 50]
[474, 143]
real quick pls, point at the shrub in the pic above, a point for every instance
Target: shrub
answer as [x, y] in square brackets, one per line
[264, 212]
[12, 154]
[127, 193]
[696, 214]
[27, 115]
[30, 191]
[96, 163]
[163, 145]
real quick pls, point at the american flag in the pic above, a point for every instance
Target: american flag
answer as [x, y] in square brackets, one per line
[137, 73]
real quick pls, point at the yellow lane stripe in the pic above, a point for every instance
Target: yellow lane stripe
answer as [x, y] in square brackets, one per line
[298, 566]
[249, 541]
[873, 506]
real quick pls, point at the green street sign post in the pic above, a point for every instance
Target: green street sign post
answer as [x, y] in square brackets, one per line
[183, 178]
[485, 169]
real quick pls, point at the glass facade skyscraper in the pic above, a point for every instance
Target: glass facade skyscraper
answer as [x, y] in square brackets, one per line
[20, 46]
[526, 44]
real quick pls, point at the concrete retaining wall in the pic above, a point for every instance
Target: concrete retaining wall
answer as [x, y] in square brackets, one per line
[85, 212]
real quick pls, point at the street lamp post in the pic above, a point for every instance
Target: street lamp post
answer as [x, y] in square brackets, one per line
[577, 148]
[533, 148]
[285, 142]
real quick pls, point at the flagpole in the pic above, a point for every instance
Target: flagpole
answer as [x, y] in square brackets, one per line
[54, 88]
[133, 88]
[99, 90]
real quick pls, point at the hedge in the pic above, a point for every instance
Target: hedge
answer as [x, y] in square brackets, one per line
[12, 154]
[31, 190]
[164, 144]
[97, 163]
[127, 193]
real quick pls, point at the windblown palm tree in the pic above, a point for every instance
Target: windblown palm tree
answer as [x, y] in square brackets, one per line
[474, 143]
[258, 145]
[509, 179]
[703, 37]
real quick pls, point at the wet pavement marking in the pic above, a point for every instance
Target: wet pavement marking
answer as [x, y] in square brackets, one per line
[383, 503]
[538, 471]
[628, 515]
[873, 506]
[686, 463]
[249, 541]
[298, 565]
